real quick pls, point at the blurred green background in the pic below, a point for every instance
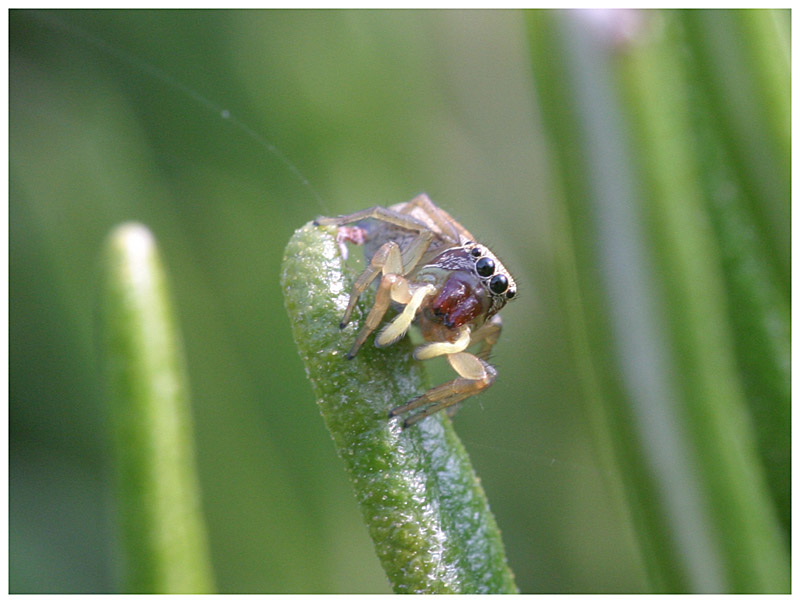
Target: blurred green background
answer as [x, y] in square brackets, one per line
[631, 169]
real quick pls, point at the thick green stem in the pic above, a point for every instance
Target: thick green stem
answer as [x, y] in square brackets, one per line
[759, 300]
[659, 248]
[163, 535]
[749, 539]
[423, 504]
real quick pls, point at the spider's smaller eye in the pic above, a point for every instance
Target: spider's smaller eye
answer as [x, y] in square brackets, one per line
[476, 252]
[498, 284]
[511, 293]
[485, 267]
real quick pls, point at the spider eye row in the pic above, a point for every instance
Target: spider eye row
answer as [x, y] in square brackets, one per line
[485, 267]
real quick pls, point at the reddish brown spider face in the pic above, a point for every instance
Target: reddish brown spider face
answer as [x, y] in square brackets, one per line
[458, 302]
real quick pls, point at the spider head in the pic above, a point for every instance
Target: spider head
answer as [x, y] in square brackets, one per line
[473, 286]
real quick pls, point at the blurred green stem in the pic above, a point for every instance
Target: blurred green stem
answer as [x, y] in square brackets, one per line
[759, 299]
[647, 284]
[163, 534]
[743, 66]
[582, 129]
[714, 404]
[424, 506]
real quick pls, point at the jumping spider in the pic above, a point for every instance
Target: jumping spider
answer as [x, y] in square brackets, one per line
[450, 285]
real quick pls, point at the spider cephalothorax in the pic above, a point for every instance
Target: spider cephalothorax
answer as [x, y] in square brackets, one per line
[444, 281]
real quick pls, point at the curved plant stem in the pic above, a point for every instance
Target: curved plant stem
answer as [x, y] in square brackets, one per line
[163, 535]
[419, 495]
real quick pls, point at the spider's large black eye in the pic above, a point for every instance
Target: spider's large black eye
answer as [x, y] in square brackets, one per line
[476, 252]
[485, 267]
[498, 284]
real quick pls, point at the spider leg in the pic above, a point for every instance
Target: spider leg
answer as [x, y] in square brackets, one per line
[487, 335]
[399, 325]
[443, 221]
[380, 261]
[393, 287]
[443, 348]
[475, 375]
[378, 213]
[383, 298]
[389, 261]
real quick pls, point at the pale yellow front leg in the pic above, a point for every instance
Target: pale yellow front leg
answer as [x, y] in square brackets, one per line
[393, 286]
[442, 348]
[475, 375]
[398, 327]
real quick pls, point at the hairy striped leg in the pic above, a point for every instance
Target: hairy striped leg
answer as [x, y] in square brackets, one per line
[475, 375]
[474, 372]
[384, 260]
[393, 286]
[487, 335]
[442, 220]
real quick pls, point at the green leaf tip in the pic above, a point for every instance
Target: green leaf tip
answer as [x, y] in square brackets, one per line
[162, 530]
[425, 508]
